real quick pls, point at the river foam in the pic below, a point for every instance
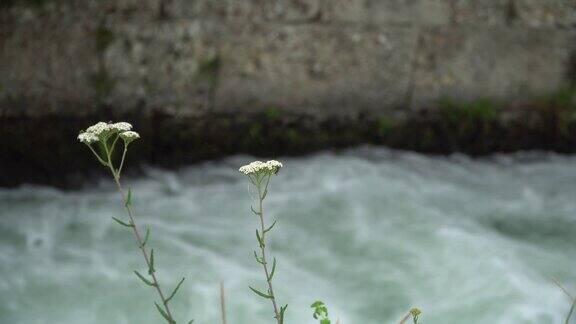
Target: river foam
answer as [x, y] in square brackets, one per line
[370, 231]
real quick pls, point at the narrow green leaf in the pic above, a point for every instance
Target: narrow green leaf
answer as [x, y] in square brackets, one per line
[128, 198]
[175, 290]
[273, 270]
[146, 237]
[164, 314]
[260, 241]
[282, 311]
[258, 259]
[122, 223]
[146, 281]
[261, 294]
[151, 268]
[192, 321]
[270, 228]
[254, 211]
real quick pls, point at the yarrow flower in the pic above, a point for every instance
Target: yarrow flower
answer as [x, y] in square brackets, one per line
[129, 136]
[88, 138]
[101, 131]
[258, 167]
[121, 126]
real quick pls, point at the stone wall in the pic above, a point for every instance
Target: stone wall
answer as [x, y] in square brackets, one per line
[202, 79]
[320, 57]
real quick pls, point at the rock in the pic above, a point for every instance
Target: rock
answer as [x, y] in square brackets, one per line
[314, 69]
[498, 63]
[404, 12]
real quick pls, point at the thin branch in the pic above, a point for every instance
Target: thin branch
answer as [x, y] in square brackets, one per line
[405, 318]
[222, 303]
[563, 289]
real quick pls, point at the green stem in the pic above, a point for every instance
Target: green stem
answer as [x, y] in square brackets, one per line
[263, 251]
[571, 311]
[97, 156]
[137, 236]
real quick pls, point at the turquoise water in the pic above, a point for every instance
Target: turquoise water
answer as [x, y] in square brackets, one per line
[370, 231]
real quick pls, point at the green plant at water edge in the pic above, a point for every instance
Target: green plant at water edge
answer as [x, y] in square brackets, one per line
[102, 139]
[320, 312]
[455, 112]
[259, 174]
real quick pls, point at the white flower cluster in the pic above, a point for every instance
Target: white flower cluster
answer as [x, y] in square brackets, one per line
[88, 138]
[102, 131]
[121, 126]
[129, 136]
[256, 167]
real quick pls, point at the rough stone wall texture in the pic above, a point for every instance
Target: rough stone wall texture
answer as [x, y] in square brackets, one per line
[322, 57]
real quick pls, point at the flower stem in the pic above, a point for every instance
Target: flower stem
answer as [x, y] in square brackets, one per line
[261, 196]
[138, 237]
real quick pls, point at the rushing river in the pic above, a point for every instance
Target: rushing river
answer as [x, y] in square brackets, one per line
[371, 232]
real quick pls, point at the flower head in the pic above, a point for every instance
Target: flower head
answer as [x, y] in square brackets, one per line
[99, 129]
[87, 138]
[274, 166]
[259, 167]
[121, 126]
[129, 136]
[415, 312]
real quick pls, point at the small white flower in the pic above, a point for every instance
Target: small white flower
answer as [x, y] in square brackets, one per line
[129, 136]
[256, 167]
[99, 129]
[274, 166]
[88, 138]
[253, 167]
[121, 126]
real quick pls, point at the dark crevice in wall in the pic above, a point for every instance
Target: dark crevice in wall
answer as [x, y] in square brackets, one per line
[453, 14]
[414, 69]
[571, 69]
[511, 13]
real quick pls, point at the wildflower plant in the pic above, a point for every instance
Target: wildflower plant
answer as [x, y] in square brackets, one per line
[320, 312]
[102, 139]
[259, 173]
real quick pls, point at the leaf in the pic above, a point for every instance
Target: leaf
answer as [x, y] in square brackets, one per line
[325, 321]
[175, 290]
[282, 311]
[254, 211]
[151, 268]
[260, 241]
[317, 304]
[146, 237]
[273, 270]
[122, 223]
[258, 259]
[192, 321]
[146, 281]
[128, 198]
[269, 228]
[261, 294]
[164, 314]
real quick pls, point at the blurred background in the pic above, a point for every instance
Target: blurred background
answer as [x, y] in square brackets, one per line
[427, 147]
